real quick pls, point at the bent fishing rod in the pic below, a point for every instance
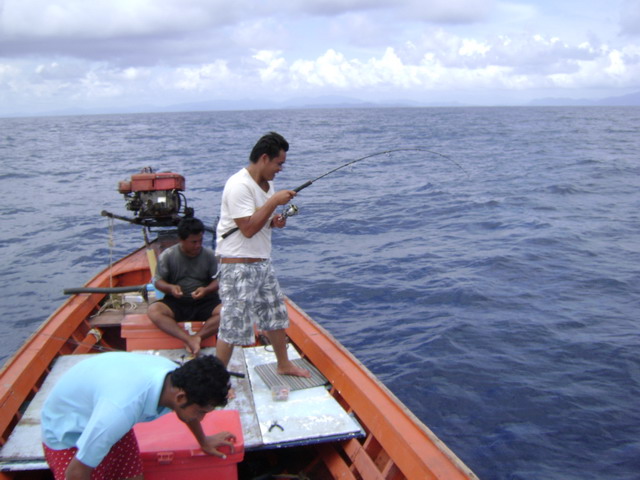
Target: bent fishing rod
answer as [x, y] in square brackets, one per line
[385, 152]
[293, 210]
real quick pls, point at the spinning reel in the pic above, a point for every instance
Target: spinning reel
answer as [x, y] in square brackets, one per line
[289, 211]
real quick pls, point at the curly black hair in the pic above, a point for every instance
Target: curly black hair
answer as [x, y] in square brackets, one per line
[205, 380]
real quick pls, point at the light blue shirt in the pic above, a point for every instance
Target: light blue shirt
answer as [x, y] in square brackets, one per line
[100, 399]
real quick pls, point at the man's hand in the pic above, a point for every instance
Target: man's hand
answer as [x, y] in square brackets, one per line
[249, 226]
[212, 442]
[279, 221]
[199, 293]
[282, 197]
[176, 291]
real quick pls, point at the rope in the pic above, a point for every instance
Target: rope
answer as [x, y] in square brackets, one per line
[111, 242]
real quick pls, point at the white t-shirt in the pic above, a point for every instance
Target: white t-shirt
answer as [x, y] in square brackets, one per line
[241, 197]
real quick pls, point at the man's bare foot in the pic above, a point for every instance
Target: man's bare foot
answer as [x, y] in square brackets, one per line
[292, 369]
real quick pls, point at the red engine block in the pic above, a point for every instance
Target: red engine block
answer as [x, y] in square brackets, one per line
[149, 182]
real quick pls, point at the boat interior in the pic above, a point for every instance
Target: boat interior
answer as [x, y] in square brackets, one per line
[343, 423]
[276, 412]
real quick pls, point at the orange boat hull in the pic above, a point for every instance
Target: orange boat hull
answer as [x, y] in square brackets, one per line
[397, 445]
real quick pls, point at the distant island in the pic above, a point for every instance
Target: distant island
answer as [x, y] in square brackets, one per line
[325, 102]
[633, 99]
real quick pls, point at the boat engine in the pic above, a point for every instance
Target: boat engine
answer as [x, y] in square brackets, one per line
[156, 198]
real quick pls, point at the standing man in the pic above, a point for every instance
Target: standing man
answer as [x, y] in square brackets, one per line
[88, 418]
[249, 289]
[185, 275]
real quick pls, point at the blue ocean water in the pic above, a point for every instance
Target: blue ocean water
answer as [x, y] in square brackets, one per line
[496, 293]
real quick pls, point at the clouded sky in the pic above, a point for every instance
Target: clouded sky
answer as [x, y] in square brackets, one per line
[109, 53]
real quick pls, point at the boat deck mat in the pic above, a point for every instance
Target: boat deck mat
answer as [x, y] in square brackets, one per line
[309, 415]
[269, 375]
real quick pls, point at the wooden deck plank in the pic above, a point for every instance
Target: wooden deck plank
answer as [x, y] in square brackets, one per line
[309, 415]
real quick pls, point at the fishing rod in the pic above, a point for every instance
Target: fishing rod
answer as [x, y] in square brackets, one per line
[376, 154]
[291, 210]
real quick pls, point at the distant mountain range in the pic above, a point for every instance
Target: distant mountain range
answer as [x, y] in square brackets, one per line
[632, 99]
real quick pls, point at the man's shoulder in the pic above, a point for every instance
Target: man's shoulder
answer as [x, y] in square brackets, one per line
[169, 259]
[234, 177]
[114, 363]
[170, 251]
[239, 179]
[118, 359]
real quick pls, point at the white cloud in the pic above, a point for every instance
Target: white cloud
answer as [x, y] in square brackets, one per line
[472, 47]
[274, 67]
[331, 69]
[204, 77]
[109, 18]
[616, 66]
[9, 78]
[170, 50]
[33, 19]
[96, 86]
[630, 17]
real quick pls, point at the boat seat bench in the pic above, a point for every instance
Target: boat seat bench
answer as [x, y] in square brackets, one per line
[141, 334]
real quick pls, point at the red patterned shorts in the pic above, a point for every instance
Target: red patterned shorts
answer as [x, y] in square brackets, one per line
[123, 460]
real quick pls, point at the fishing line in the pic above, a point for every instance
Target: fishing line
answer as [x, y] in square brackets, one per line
[385, 152]
[292, 209]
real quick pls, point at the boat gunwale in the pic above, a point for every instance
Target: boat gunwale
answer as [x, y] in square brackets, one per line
[412, 445]
[21, 373]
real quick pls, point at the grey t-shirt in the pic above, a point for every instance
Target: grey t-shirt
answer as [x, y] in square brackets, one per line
[189, 272]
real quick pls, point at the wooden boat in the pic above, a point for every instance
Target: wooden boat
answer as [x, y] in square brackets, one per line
[391, 443]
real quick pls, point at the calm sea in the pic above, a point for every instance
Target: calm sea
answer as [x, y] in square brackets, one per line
[496, 293]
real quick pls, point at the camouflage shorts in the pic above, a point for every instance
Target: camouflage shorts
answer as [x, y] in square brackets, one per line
[250, 294]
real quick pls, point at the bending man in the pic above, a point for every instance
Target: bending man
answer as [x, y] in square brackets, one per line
[88, 418]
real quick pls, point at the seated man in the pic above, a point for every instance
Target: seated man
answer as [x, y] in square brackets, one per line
[185, 274]
[88, 418]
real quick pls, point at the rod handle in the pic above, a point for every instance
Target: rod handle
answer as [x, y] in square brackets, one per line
[226, 234]
[304, 185]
